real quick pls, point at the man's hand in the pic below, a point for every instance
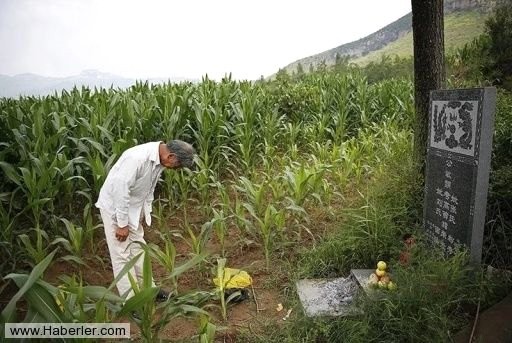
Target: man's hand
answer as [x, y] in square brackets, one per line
[122, 233]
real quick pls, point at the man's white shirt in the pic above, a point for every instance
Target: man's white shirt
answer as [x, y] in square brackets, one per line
[130, 184]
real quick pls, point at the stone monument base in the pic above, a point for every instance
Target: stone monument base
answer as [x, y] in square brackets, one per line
[333, 297]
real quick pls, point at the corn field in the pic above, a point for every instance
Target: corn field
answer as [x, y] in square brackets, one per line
[268, 152]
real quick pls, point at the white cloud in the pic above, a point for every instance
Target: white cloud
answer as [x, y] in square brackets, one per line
[179, 38]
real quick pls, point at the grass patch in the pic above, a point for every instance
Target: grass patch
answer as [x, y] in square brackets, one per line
[435, 298]
[374, 225]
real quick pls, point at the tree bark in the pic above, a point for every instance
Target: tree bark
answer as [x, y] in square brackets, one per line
[429, 72]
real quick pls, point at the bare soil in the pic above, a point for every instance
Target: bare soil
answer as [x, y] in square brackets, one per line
[252, 315]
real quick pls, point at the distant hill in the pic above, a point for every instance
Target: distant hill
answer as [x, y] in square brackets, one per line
[464, 20]
[32, 84]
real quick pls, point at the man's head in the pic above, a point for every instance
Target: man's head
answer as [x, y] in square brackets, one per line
[177, 154]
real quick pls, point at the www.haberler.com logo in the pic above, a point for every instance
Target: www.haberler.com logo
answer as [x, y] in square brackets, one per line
[67, 330]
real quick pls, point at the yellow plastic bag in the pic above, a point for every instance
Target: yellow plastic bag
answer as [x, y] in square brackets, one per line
[234, 278]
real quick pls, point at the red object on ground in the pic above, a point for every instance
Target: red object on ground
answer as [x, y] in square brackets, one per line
[405, 255]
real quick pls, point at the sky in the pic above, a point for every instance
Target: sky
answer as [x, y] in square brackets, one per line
[187, 38]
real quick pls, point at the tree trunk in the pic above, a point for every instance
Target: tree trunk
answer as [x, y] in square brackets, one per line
[429, 73]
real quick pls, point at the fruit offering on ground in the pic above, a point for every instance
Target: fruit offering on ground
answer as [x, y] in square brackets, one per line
[391, 286]
[373, 279]
[380, 278]
[385, 279]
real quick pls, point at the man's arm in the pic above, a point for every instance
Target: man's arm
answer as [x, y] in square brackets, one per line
[148, 203]
[122, 185]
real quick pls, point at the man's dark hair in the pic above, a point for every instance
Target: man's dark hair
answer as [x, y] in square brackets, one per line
[184, 152]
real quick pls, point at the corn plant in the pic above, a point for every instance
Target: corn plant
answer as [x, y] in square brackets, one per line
[98, 302]
[166, 257]
[211, 127]
[177, 186]
[269, 226]
[206, 330]
[160, 211]
[99, 169]
[255, 193]
[172, 104]
[340, 125]
[143, 300]
[238, 213]
[293, 131]
[361, 100]
[203, 181]
[196, 241]
[8, 221]
[37, 249]
[220, 289]
[303, 181]
[351, 166]
[267, 161]
[321, 125]
[74, 243]
[71, 301]
[89, 227]
[49, 304]
[273, 123]
[25, 284]
[219, 223]
[246, 127]
[224, 201]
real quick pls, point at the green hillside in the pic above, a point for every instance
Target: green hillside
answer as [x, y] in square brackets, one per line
[460, 28]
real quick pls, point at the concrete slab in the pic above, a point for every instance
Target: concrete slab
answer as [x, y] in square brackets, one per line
[362, 277]
[328, 297]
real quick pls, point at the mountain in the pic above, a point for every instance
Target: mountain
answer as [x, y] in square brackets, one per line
[464, 20]
[32, 84]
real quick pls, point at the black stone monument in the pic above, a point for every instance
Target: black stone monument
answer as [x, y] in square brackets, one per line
[461, 126]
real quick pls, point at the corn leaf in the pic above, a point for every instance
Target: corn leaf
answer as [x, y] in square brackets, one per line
[139, 300]
[9, 312]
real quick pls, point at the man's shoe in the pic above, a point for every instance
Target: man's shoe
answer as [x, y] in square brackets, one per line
[162, 296]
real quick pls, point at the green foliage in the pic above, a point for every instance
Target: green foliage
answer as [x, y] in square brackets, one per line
[268, 226]
[488, 58]
[75, 241]
[464, 65]
[196, 240]
[143, 301]
[25, 284]
[206, 330]
[388, 67]
[221, 288]
[498, 227]
[372, 230]
[498, 67]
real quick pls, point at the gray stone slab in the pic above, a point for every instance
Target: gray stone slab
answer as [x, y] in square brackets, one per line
[362, 277]
[328, 297]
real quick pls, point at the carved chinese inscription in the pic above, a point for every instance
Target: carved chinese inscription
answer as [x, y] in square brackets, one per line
[461, 125]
